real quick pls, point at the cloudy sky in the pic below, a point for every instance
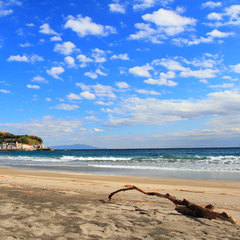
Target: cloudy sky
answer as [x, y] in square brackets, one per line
[121, 74]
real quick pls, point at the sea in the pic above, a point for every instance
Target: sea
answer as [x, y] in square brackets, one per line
[185, 163]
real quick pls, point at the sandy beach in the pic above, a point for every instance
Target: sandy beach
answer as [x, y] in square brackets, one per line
[50, 205]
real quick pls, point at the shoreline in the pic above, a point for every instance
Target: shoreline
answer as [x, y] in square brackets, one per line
[58, 205]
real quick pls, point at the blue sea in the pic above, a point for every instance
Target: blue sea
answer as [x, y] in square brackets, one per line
[189, 163]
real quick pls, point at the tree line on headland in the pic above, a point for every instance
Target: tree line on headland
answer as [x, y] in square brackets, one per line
[24, 139]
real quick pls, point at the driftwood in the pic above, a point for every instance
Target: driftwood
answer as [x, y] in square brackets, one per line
[184, 206]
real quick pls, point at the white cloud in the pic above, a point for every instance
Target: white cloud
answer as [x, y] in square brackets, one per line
[56, 39]
[234, 14]
[45, 29]
[55, 72]
[84, 60]
[33, 86]
[39, 79]
[67, 107]
[88, 95]
[151, 111]
[104, 103]
[24, 45]
[18, 58]
[141, 71]
[224, 85]
[169, 21]
[99, 90]
[117, 8]
[84, 26]
[146, 32]
[48, 99]
[97, 130]
[36, 58]
[47, 127]
[122, 85]
[163, 79]
[83, 86]
[99, 72]
[91, 74]
[211, 4]
[4, 13]
[202, 73]
[30, 24]
[4, 91]
[70, 61]
[24, 58]
[98, 55]
[73, 96]
[169, 64]
[148, 92]
[5, 7]
[214, 16]
[103, 91]
[217, 34]
[236, 68]
[123, 56]
[66, 48]
[143, 4]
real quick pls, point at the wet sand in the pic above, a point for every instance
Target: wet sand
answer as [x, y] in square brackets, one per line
[50, 205]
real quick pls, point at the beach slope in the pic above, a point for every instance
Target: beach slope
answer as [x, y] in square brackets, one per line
[48, 205]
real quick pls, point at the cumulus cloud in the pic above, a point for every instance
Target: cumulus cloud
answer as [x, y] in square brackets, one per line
[218, 34]
[143, 4]
[56, 39]
[211, 4]
[167, 23]
[235, 68]
[24, 58]
[116, 7]
[73, 96]
[88, 95]
[122, 85]
[33, 86]
[45, 127]
[123, 56]
[170, 64]
[6, 7]
[151, 111]
[98, 89]
[70, 61]
[18, 58]
[91, 74]
[39, 79]
[163, 79]
[84, 26]
[4, 91]
[147, 92]
[141, 71]
[202, 73]
[214, 16]
[65, 48]
[55, 72]
[67, 107]
[84, 60]
[99, 55]
[45, 29]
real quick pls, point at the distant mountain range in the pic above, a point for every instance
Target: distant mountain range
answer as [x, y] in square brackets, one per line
[74, 146]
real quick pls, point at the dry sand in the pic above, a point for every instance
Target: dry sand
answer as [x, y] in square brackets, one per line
[47, 205]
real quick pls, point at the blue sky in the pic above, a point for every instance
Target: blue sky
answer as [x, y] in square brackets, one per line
[121, 74]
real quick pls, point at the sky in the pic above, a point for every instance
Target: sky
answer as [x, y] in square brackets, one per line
[121, 74]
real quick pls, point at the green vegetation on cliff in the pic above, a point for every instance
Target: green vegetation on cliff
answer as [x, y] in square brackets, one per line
[25, 139]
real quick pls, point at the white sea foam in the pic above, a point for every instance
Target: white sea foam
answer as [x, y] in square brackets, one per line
[164, 168]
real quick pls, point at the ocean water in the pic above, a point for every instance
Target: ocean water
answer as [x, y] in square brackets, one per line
[197, 163]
